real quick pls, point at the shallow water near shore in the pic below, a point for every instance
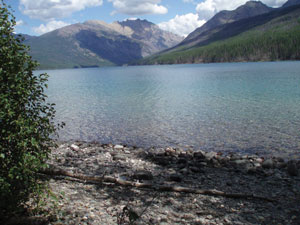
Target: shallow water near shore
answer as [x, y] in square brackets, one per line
[231, 107]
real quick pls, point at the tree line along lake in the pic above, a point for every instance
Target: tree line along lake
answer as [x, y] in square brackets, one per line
[247, 108]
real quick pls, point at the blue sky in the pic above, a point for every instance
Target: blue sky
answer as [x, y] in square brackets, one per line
[36, 17]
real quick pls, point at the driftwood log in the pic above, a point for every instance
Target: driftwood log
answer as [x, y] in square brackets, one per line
[55, 171]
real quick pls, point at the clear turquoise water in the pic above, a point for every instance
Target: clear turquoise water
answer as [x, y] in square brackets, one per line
[230, 107]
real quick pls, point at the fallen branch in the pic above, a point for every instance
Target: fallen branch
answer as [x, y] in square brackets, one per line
[54, 171]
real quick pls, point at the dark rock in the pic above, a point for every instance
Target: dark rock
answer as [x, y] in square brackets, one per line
[199, 155]
[143, 175]
[182, 155]
[250, 169]
[281, 165]
[175, 177]
[279, 159]
[119, 157]
[162, 161]
[182, 161]
[292, 168]
[240, 162]
[69, 154]
[196, 170]
[268, 164]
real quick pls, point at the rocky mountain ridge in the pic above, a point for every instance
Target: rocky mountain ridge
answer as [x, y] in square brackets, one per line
[250, 9]
[96, 43]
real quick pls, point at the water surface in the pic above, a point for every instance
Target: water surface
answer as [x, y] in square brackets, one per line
[230, 107]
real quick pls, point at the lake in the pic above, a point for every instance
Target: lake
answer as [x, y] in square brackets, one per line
[230, 107]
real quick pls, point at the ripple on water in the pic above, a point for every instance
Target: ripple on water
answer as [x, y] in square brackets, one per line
[245, 107]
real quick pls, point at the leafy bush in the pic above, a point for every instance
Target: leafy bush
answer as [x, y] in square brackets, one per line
[26, 119]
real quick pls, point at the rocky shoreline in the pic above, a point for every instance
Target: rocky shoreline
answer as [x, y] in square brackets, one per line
[106, 203]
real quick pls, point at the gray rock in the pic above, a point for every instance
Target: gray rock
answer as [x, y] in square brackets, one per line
[250, 168]
[292, 168]
[268, 164]
[240, 162]
[210, 155]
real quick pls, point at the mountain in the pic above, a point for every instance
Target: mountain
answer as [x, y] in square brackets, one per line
[153, 38]
[96, 43]
[271, 36]
[291, 3]
[250, 9]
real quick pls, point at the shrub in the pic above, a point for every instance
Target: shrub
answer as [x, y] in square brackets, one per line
[26, 119]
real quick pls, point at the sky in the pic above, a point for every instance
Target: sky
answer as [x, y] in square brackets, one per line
[36, 17]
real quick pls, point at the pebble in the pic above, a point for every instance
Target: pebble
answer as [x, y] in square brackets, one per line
[74, 147]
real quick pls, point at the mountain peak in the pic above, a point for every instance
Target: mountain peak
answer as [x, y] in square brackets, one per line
[249, 9]
[136, 24]
[291, 3]
[253, 4]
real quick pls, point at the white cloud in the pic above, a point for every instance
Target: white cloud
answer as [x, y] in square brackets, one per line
[50, 26]
[139, 7]
[183, 24]
[20, 23]
[53, 9]
[209, 8]
[274, 3]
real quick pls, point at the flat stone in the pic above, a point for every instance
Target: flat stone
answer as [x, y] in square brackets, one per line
[118, 147]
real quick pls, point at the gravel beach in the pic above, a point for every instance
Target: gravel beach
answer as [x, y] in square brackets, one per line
[84, 202]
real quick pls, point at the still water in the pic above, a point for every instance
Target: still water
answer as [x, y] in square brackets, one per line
[231, 107]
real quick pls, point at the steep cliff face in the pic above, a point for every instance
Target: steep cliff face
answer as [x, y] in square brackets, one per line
[96, 43]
